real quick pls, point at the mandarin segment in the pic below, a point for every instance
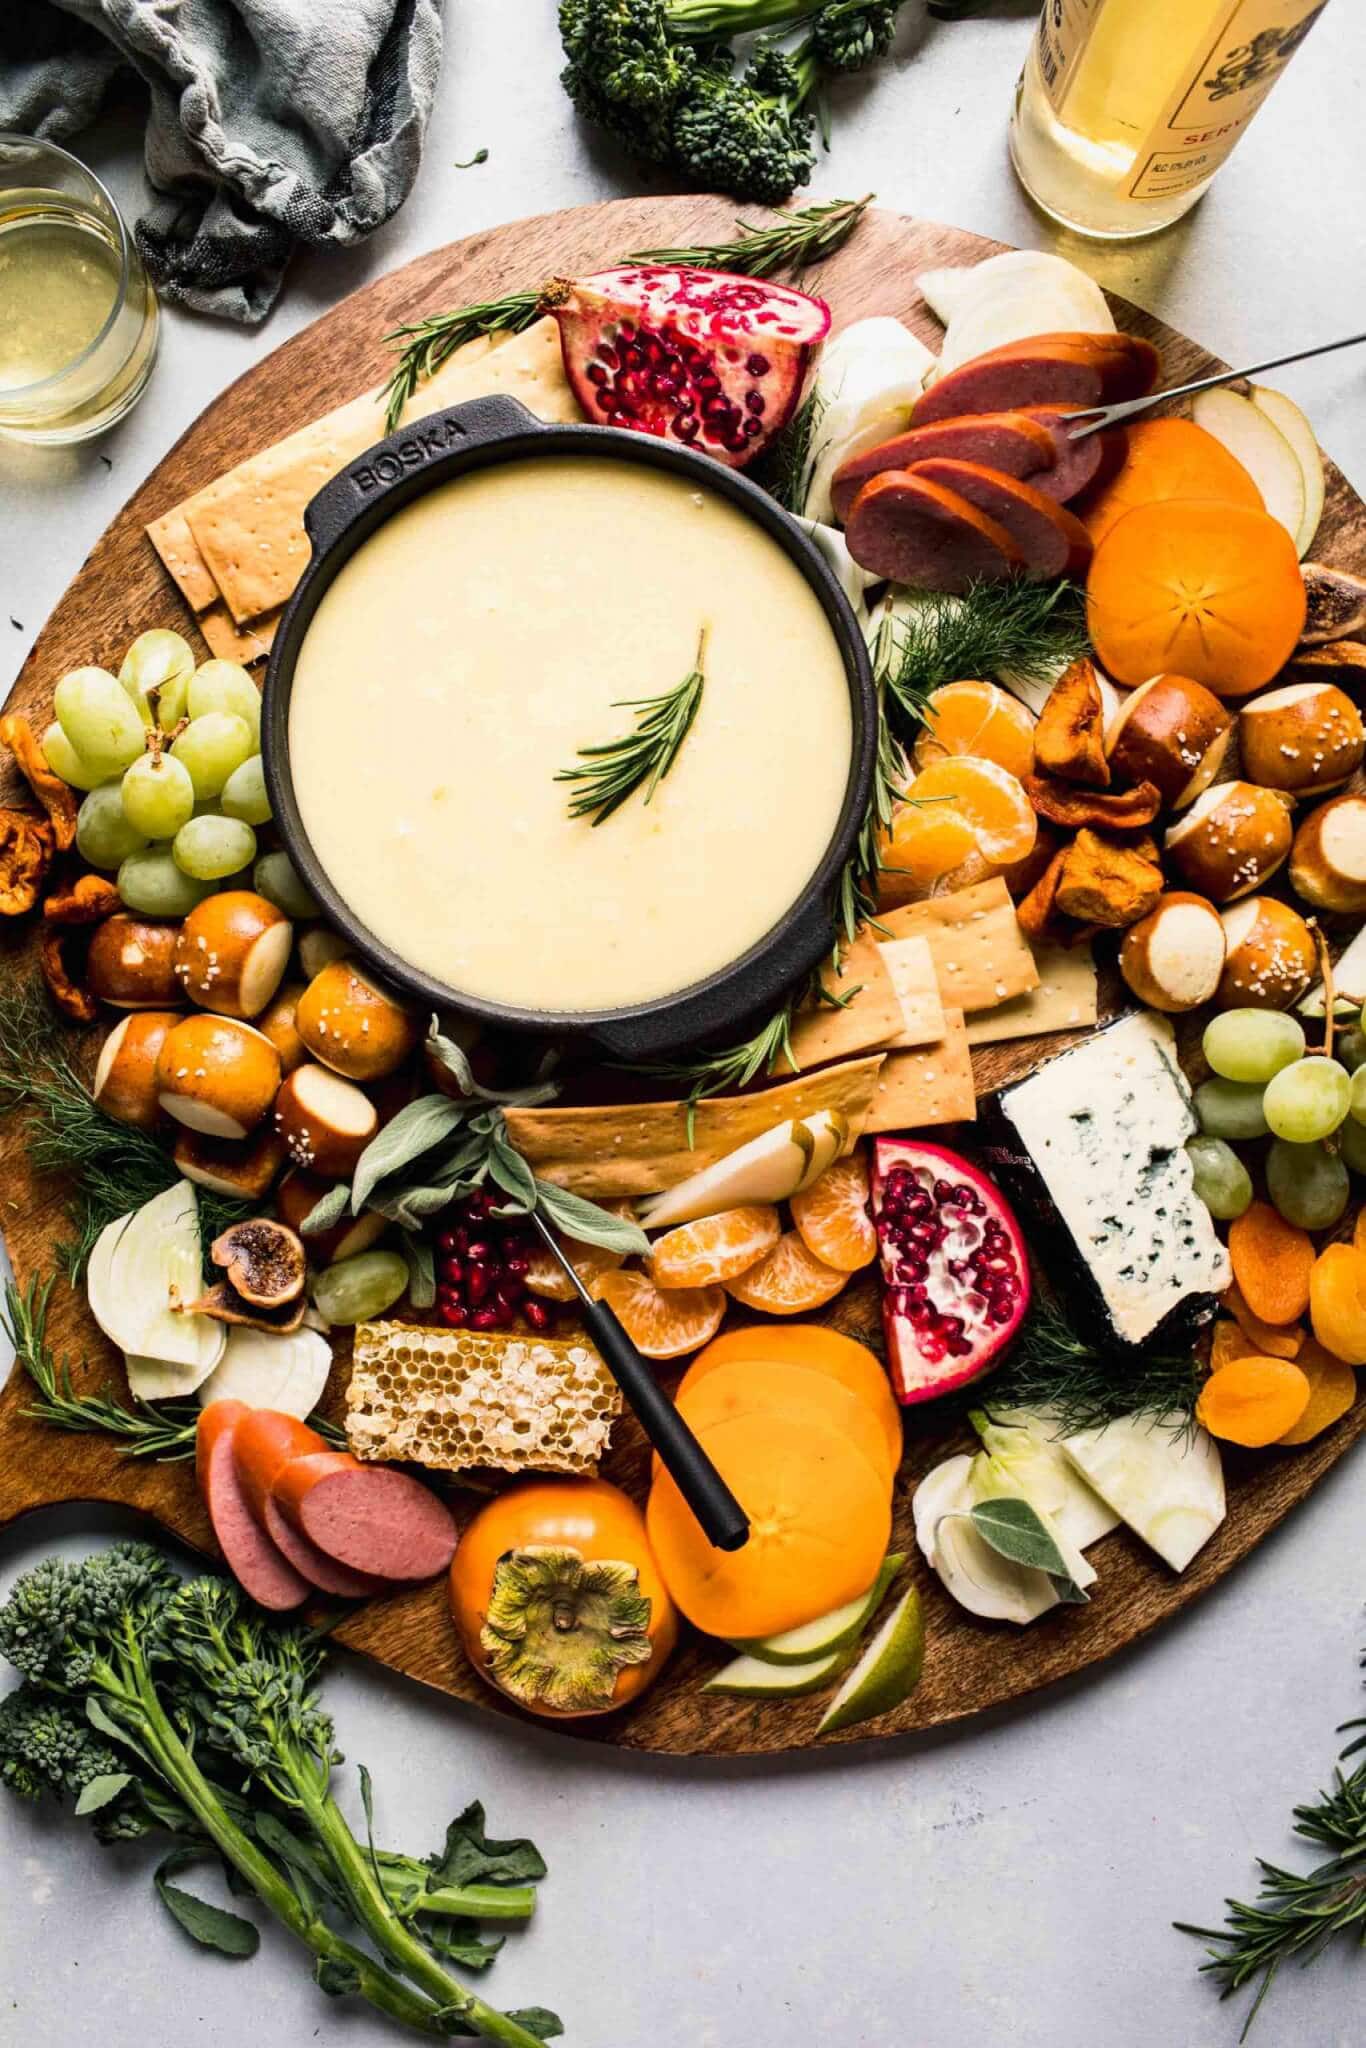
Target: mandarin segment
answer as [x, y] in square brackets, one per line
[977, 718]
[925, 844]
[788, 1281]
[832, 1216]
[988, 798]
[715, 1248]
[661, 1323]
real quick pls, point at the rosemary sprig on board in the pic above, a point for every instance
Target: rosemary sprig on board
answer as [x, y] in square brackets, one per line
[793, 242]
[1052, 1366]
[613, 771]
[1296, 1914]
[112, 1167]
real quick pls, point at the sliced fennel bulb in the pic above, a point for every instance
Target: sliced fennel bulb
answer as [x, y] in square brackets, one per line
[1026, 1446]
[990, 1480]
[867, 383]
[1168, 1485]
[978, 1577]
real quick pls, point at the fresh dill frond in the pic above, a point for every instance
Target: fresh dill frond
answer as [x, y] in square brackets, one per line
[1010, 628]
[1296, 1914]
[613, 771]
[111, 1167]
[1052, 1366]
[792, 243]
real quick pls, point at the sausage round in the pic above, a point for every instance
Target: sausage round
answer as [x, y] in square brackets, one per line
[259, 1566]
[366, 1516]
[1014, 442]
[1051, 541]
[1012, 383]
[264, 1442]
[902, 526]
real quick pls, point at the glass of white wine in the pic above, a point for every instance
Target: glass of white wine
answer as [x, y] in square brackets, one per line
[78, 318]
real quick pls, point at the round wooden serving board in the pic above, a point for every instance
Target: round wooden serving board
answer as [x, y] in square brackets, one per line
[122, 589]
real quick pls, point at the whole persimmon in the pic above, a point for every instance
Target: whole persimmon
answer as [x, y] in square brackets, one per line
[558, 1599]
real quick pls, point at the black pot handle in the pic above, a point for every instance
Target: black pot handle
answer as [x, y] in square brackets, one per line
[374, 476]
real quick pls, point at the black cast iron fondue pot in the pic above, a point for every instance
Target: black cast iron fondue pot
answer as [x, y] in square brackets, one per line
[473, 436]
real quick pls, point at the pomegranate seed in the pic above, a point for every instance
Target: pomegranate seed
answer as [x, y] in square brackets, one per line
[477, 1284]
[454, 1315]
[485, 1319]
[537, 1314]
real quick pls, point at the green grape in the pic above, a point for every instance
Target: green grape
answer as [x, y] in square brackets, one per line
[158, 795]
[244, 793]
[105, 836]
[277, 879]
[1349, 1048]
[1222, 1181]
[1230, 1109]
[209, 848]
[1358, 1096]
[1352, 1144]
[358, 1289]
[159, 661]
[99, 719]
[211, 747]
[1252, 1045]
[151, 883]
[1307, 1183]
[63, 760]
[1307, 1100]
[223, 686]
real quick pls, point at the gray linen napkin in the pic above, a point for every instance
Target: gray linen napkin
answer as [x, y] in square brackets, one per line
[271, 122]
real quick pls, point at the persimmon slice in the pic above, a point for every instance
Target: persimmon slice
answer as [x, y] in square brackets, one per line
[788, 1281]
[1165, 459]
[715, 1248]
[750, 1386]
[820, 1519]
[662, 1323]
[833, 1218]
[820, 1349]
[1197, 588]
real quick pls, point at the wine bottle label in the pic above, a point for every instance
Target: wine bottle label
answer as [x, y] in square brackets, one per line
[1244, 56]
[1065, 28]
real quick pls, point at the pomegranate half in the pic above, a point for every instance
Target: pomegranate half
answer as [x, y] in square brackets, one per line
[704, 357]
[955, 1271]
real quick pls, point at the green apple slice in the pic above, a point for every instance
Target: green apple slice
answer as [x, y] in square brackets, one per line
[834, 1631]
[886, 1674]
[1261, 447]
[1285, 415]
[769, 1168]
[749, 1678]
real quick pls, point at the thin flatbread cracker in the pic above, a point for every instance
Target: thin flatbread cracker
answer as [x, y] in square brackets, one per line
[231, 642]
[981, 957]
[250, 524]
[179, 551]
[1067, 999]
[822, 1032]
[932, 1085]
[641, 1148]
[910, 963]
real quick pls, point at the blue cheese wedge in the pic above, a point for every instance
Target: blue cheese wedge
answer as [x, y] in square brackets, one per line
[1096, 1139]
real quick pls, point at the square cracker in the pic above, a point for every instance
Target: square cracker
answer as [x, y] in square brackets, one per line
[822, 1032]
[981, 957]
[911, 966]
[932, 1085]
[640, 1148]
[1067, 999]
[231, 642]
[179, 551]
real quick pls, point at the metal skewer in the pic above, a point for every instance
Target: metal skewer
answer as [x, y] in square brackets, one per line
[722, 1519]
[1099, 416]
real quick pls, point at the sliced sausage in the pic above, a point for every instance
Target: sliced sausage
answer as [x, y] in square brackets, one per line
[1014, 442]
[1128, 365]
[367, 1516]
[1013, 383]
[255, 1561]
[901, 525]
[264, 1442]
[1051, 541]
[1076, 464]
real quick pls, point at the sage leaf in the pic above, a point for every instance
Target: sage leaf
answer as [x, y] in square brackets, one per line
[329, 1209]
[580, 1218]
[1017, 1532]
[512, 1174]
[421, 1270]
[101, 1790]
[416, 1129]
[226, 1933]
[455, 1060]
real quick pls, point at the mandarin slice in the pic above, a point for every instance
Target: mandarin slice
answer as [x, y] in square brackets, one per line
[820, 1522]
[715, 1248]
[989, 799]
[926, 844]
[788, 1281]
[545, 1277]
[752, 1385]
[977, 718]
[820, 1349]
[832, 1216]
[661, 1323]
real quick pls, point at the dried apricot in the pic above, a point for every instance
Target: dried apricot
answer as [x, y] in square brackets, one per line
[1332, 1390]
[1253, 1401]
[1337, 1302]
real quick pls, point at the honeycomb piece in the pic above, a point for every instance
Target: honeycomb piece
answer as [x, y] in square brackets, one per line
[459, 1398]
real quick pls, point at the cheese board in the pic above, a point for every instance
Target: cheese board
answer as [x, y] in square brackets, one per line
[123, 590]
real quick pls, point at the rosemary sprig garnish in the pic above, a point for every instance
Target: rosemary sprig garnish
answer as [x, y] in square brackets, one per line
[112, 1167]
[1296, 1914]
[617, 768]
[1052, 1366]
[793, 242]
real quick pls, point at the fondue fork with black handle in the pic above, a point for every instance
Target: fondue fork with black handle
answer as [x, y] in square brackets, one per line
[719, 1514]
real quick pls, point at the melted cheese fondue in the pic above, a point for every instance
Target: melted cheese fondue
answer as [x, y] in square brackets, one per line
[480, 638]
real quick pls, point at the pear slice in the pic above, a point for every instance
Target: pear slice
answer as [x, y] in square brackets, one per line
[749, 1678]
[1285, 415]
[834, 1631]
[143, 1269]
[776, 1164]
[887, 1673]
[1263, 450]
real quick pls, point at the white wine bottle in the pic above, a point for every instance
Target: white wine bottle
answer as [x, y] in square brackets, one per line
[1126, 108]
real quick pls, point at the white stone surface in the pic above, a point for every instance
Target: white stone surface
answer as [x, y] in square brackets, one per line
[1009, 1884]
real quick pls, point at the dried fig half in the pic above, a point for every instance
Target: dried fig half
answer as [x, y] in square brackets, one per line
[225, 1305]
[1337, 604]
[264, 1261]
